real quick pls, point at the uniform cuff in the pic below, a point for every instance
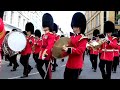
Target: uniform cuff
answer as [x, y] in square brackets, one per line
[69, 51]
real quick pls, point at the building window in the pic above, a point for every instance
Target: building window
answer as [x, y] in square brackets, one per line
[23, 23]
[116, 21]
[5, 16]
[19, 18]
[11, 18]
[97, 20]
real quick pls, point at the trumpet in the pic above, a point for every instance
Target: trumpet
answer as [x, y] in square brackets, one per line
[94, 44]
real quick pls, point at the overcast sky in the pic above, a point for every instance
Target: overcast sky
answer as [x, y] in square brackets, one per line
[63, 19]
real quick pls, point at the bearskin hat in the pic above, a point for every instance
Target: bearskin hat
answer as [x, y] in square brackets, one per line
[96, 32]
[1, 14]
[29, 27]
[62, 36]
[47, 21]
[109, 27]
[55, 28]
[79, 20]
[24, 32]
[38, 33]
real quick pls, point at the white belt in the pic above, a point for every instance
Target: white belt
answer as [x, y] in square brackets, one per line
[116, 50]
[107, 50]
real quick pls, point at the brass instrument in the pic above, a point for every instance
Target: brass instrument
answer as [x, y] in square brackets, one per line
[95, 45]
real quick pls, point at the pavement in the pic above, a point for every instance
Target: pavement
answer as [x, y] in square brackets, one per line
[87, 72]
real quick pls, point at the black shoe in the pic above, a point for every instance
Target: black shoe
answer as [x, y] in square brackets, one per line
[94, 70]
[53, 70]
[9, 65]
[30, 70]
[24, 76]
[56, 65]
[13, 70]
[114, 71]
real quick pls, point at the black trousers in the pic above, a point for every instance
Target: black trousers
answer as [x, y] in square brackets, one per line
[83, 56]
[105, 74]
[115, 63]
[99, 55]
[35, 57]
[71, 73]
[2, 54]
[93, 59]
[7, 58]
[24, 60]
[13, 59]
[54, 64]
[40, 64]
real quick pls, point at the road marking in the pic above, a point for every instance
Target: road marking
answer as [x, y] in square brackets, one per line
[20, 76]
[63, 65]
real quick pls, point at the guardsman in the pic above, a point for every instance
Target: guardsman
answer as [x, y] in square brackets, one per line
[116, 55]
[94, 52]
[2, 32]
[45, 54]
[37, 46]
[57, 37]
[119, 44]
[25, 54]
[107, 54]
[75, 53]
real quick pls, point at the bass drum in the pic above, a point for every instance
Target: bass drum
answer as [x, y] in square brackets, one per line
[14, 43]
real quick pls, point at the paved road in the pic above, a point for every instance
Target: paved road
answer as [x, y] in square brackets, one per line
[87, 72]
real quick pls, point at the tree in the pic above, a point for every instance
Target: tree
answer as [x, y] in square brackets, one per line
[118, 16]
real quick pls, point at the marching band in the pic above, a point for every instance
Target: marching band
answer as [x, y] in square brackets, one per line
[105, 46]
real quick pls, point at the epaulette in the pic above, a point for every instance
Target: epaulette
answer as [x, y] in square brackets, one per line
[83, 37]
[114, 38]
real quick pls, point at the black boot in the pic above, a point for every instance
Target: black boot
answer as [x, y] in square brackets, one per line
[24, 76]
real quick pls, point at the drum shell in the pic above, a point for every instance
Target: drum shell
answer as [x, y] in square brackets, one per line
[6, 48]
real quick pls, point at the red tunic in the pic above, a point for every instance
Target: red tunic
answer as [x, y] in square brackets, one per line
[95, 52]
[47, 44]
[108, 50]
[119, 48]
[75, 59]
[37, 44]
[28, 48]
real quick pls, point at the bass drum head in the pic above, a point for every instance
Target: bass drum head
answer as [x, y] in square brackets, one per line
[17, 41]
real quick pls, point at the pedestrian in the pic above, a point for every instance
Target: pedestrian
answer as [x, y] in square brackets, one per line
[119, 44]
[107, 54]
[79, 41]
[2, 33]
[47, 45]
[57, 37]
[25, 54]
[37, 46]
[116, 55]
[13, 58]
[94, 52]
